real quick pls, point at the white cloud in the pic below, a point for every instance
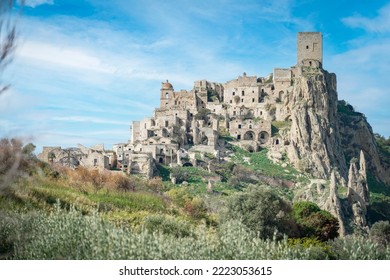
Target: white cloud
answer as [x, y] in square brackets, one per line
[35, 3]
[63, 56]
[90, 120]
[380, 23]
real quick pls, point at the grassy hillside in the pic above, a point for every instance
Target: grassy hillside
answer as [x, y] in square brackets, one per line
[58, 213]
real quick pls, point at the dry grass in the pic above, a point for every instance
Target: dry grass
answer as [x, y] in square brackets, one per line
[85, 179]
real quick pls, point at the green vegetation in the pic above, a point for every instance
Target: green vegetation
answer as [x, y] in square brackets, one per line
[281, 124]
[71, 235]
[380, 233]
[212, 95]
[383, 145]
[202, 114]
[314, 222]
[259, 161]
[48, 212]
[262, 211]
[344, 107]
[379, 208]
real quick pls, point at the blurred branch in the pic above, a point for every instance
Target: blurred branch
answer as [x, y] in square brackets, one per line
[7, 34]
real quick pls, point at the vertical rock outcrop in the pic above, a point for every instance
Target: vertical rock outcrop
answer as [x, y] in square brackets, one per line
[358, 193]
[315, 143]
[333, 204]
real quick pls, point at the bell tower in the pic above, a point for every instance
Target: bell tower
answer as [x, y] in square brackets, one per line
[167, 95]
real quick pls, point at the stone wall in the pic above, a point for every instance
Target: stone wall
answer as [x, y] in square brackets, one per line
[309, 46]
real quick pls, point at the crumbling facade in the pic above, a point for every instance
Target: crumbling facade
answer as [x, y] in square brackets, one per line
[95, 157]
[193, 121]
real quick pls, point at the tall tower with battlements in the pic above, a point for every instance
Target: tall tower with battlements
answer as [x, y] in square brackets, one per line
[309, 48]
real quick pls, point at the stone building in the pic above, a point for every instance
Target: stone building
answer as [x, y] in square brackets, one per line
[95, 157]
[190, 121]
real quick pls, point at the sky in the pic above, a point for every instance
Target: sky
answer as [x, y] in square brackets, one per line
[84, 70]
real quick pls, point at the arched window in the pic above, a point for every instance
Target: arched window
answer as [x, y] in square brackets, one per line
[166, 95]
[249, 135]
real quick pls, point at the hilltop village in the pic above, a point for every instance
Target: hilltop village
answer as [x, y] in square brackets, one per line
[189, 123]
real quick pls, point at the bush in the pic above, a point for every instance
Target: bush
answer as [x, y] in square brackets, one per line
[15, 160]
[241, 177]
[380, 233]
[314, 222]
[180, 174]
[196, 208]
[7, 231]
[202, 114]
[318, 250]
[262, 211]
[358, 248]
[167, 225]
[71, 235]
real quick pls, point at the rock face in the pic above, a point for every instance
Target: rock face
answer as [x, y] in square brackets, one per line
[333, 204]
[358, 193]
[314, 137]
[356, 134]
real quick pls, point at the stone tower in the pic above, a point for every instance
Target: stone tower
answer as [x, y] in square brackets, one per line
[167, 95]
[309, 47]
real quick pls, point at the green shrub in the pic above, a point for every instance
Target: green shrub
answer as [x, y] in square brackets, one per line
[380, 233]
[358, 248]
[196, 208]
[314, 222]
[7, 231]
[71, 235]
[202, 114]
[262, 211]
[181, 174]
[167, 225]
[318, 250]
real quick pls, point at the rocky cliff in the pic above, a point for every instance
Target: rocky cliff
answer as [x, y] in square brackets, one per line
[326, 136]
[315, 134]
[356, 135]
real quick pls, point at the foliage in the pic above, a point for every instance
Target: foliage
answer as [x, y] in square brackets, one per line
[70, 235]
[259, 161]
[344, 107]
[81, 177]
[224, 170]
[281, 124]
[202, 114]
[8, 33]
[15, 160]
[212, 95]
[318, 250]
[379, 208]
[167, 225]
[358, 248]
[262, 211]
[314, 222]
[163, 171]
[241, 176]
[383, 145]
[190, 174]
[43, 192]
[380, 233]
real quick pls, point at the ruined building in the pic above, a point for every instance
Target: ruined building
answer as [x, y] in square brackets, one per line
[193, 121]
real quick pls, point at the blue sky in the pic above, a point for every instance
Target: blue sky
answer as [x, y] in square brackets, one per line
[84, 69]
